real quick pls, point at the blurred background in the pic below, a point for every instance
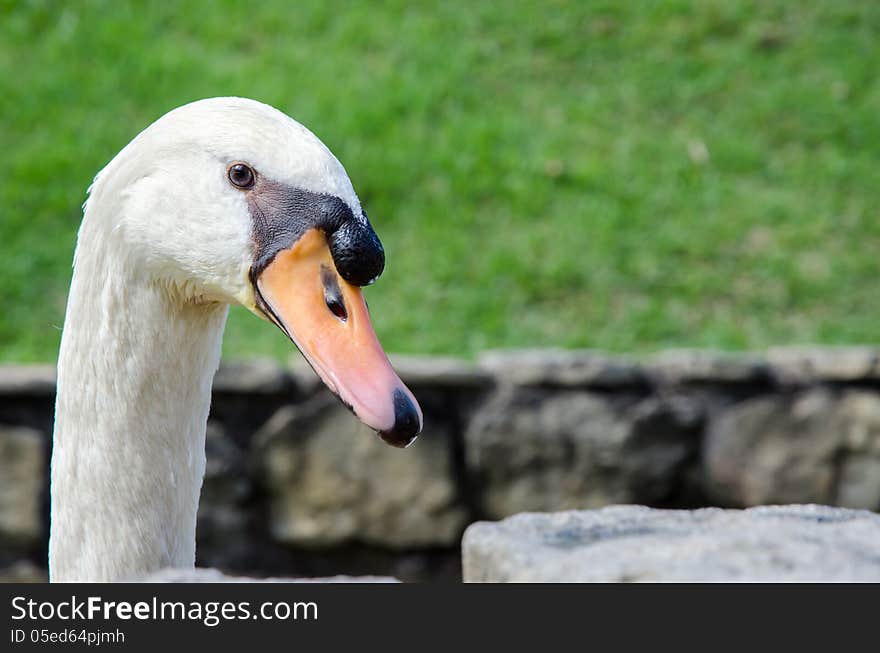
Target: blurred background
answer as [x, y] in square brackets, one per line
[625, 176]
[622, 176]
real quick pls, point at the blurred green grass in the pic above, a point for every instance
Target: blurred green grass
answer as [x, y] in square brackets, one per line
[626, 176]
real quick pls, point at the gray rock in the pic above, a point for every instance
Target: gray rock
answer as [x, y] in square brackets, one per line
[439, 371]
[677, 366]
[800, 365]
[17, 380]
[258, 376]
[531, 449]
[562, 368]
[634, 543]
[819, 446]
[22, 479]
[661, 446]
[23, 571]
[331, 480]
[436, 371]
[207, 575]
[534, 450]
[223, 534]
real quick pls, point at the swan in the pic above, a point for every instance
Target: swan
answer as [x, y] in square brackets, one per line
[221, 201]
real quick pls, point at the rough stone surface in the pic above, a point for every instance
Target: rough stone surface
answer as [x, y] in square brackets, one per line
[811, 364]
[433, 371]
[18, 380]
[331, 480]
[634, 543]
[207, 575]
[678, 366]
[259, 376]
[295, 488]
[558, 367]
[532, 449]
[223, 532]
[23, 571]
[22, 480]
[439, 371]
[819, 446]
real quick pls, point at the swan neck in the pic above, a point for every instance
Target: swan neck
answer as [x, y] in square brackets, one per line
[134, 385]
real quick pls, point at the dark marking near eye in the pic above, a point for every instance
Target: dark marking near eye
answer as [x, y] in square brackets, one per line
[332, 294]
[281, 214]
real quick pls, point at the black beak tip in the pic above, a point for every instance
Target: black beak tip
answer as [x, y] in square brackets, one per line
[407, 423]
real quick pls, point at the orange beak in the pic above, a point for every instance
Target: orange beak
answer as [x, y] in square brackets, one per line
[327, 319]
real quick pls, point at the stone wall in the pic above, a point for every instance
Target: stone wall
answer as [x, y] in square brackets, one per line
[626, 544]
[295, 486]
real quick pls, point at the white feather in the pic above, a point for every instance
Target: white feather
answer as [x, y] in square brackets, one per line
[164, 247]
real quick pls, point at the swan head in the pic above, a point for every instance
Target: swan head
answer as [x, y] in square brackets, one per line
[230, 200]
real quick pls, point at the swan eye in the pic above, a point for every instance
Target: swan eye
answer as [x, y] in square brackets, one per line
[241, 176]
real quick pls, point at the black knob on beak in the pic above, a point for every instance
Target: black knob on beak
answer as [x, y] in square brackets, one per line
[357, 252]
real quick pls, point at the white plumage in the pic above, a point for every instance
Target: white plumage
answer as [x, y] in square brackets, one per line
[164, 247]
